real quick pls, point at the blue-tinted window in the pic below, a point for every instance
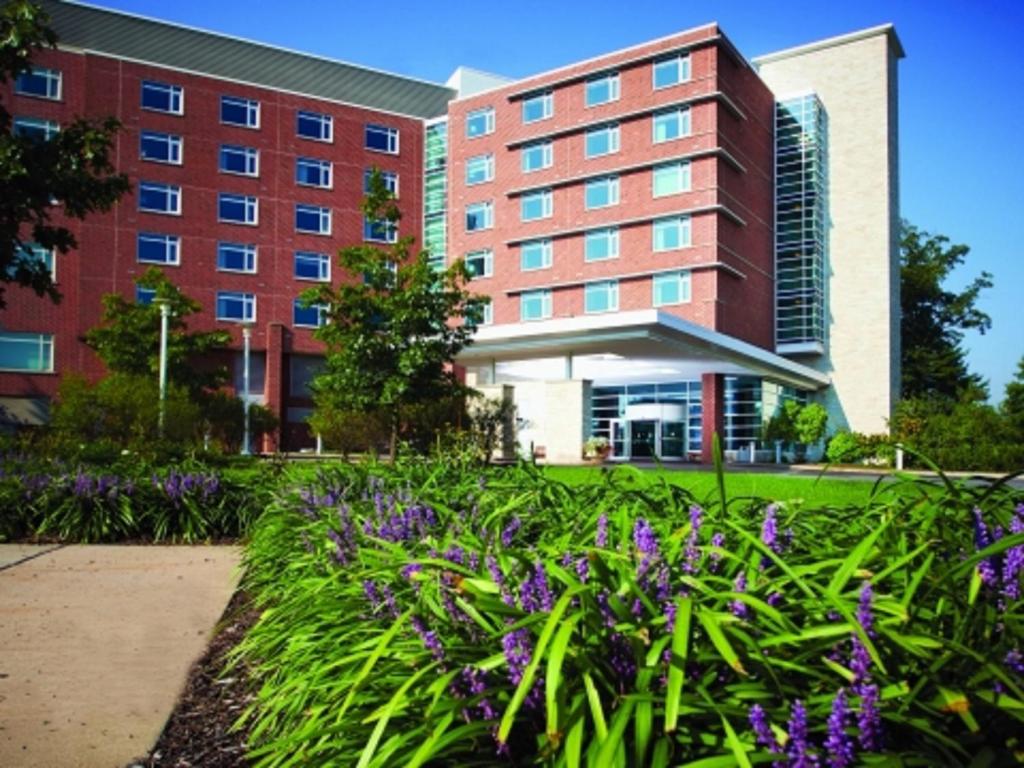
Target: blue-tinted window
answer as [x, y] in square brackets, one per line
[381, 138]
[307, 317]
[159, 198]
[241, 160]
[236, 257]
[238, 111]
[144, 296]
[313, 173]
[535, 254]
[35, 128]
[602, 141]
[235, 306]
[535, 305]
[158, 249]
[601, 244]
[161, 97]
[479, 216]
[601, 296]
[237, 209]
[380, 231]
[26, 352]
[312, 266]
[600, 193]
[480, 122]
[160, 147]
[535, 205]
[39, 81]
[601, 90]
[389, 178]
[313, 125]
[313, 219]
[671, 71]
[539, 107]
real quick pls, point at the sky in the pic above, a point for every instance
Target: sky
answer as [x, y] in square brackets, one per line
[960, 86]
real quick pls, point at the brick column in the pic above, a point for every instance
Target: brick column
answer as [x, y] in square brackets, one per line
[712, 396]
[273, 384]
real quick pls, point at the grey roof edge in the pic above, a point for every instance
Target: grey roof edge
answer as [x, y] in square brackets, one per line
[889, 30]
[178, 46]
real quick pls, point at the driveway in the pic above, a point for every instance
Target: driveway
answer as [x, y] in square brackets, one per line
[96, 643]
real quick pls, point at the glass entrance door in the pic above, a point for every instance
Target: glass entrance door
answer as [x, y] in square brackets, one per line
[643, 439]
[620, 438]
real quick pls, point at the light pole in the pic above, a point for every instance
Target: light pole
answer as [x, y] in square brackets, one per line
[246, 338]
[165, 314]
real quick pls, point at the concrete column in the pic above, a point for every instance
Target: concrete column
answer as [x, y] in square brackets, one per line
[713, 417]
[273, 385]
[568, 367]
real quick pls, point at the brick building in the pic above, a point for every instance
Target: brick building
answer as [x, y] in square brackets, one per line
[674, 240]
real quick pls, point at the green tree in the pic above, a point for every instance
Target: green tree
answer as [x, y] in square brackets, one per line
[73, 167]
[128, 337]
[934, 319]
[1012, 407]
[393, 327]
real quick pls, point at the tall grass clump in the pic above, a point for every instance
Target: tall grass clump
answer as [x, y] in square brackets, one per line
[424, 614]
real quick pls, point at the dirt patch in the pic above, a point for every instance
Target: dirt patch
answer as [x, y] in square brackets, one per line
[198, 732]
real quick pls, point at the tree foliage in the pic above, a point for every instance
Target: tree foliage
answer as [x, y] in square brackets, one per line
[934, 318]
[1013, 402]
[74, 167]
[128, 337]
[392, 327]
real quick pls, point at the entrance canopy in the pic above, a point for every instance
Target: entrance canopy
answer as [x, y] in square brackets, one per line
[642, 345]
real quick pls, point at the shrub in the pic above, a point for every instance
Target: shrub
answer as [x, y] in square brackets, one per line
[845, 447]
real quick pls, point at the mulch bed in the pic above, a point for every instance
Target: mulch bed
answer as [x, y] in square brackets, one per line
[198, 732]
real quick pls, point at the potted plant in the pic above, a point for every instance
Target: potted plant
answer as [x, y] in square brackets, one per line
[596, 449]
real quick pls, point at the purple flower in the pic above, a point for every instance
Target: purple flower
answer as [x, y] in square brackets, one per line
[429, 638]
[517, 649]
[669, 609]
[738, 607]
[410, 570]
[869, 722]
[1013, 564]
[838, 743]
[622, 662]
[601, 540]
[692, 555]
[762, 731]
[646, 543]
[1014, 661]
[798, 747]
[370, 590]
[769, 530]
[718, 542]
[860, 660]
[583, 569]
[509, 532]
[864, 615]
[774, 599]
[988, 567]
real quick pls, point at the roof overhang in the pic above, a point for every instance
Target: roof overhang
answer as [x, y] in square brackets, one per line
[647, 335]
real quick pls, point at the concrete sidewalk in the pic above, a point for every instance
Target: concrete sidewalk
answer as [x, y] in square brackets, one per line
[95, 645]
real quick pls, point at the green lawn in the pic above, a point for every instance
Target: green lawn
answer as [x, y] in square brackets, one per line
[813, 492]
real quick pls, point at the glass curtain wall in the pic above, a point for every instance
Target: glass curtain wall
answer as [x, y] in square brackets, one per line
[435, 192]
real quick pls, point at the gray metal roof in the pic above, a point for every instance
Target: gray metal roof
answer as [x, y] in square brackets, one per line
[162, 43]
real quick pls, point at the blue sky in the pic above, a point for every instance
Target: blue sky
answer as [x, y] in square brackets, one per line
[961, 112]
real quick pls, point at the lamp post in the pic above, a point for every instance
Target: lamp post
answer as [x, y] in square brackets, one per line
[246, 339]
[165, 314]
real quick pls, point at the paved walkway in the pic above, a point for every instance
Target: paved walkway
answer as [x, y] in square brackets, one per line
[95, 645]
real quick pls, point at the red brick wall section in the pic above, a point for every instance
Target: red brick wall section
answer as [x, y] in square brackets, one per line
[713, 418]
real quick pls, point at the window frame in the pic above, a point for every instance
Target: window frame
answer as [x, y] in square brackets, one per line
[614, 140]
[487, 113]
[324, 167]
[250, 155]
[172, 193]
[174, 93]
[247, 300]
[547, 156]
[144, 296]
[29, 253]
[611, 80]
[171, 248]
[546, 254]
[543, 295]
[390, 231]
[249, 203]
[547, 205]
[251, 107]
[35, 128]
[323, 213]
[683, 278]
[547, 107]
[487, 162]
[683, 124]
[487, 210]
[45, 74]
[323, 262]
[487, 256]
[612, 298]
[611, 237]
[390, 179]
[321, 314]
[683, 171]
[175, 146]
[392, 134]
[683, 70]
[608, 183]
[683, 225]
[46, 343]
[250, 255]
[319, 118]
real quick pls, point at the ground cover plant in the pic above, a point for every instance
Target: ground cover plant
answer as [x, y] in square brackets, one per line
[436, 614]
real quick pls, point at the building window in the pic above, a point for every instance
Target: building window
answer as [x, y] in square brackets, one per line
[312, 316]
[161, 97]
[34, 128]
[380, 138]
[480, 122]
[671, 125]
[313, 173]
[601, 90]
[26, 352]
[39, 81]
[602, 296]
[314, 219]
[537, 156]
[673, 233]
[29, 256]
[671, 179]
[600, 193]
[601, 244]
[488, 318]
[671, 71]
[480, 263]
[236, 111]
[539, 107]
[236, 257]
[389, 178]
[380, 231]
[144, 296]
[602, 141]
[160, 147]
[479, 169]
[312, 266]
[244, 161]
[671, 288]
[479, 216]
[536, 205]
[535, 305]
[234, 306]
[313, 125]
[535, 254]
[158, 249]
[237, 209]
[159, 198]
